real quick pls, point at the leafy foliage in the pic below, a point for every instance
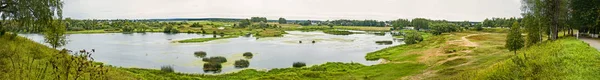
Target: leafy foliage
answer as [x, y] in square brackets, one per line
[299, 64]
[282, 21]
[514, 39]
[420, 23]
[241, 63]
[54, 34]
[167, 68]
[200, 54]
[400, 23]
[412, 37]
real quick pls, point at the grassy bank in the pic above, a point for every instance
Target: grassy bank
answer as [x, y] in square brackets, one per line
[328, 71]
[23, 59]
[566, 58]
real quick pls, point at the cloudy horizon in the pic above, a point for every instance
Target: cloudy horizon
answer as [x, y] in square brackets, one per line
[453, 10]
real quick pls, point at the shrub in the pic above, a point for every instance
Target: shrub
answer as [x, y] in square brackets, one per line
[201, 54]
[412, 37]
[299, 64]
[214, 67]
[167, 69]
[241, 63]
[479, 28]
[248, 54]
[218, 59]
[384, 42]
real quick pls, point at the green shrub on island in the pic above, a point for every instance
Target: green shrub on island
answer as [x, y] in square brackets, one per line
[384, 42]
[241, 63]
[212, 67]
[217, 59]
[299, 64]
[200, 54]
[248, 54]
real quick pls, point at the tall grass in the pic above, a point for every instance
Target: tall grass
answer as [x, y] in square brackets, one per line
[568, 59]
[23, 59]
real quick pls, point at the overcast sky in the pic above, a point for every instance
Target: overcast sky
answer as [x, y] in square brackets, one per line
[454, 10]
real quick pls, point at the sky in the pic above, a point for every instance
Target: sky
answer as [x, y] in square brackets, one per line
[453, 10]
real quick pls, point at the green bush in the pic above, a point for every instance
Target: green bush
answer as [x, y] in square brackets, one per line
[167, 69]
[218, 59]
[384, 42]
[241, 63]
[412, 37]
[212, 67]
[299, 64]
[200, 54]
[248, 55]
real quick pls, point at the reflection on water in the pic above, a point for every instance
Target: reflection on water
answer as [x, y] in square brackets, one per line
[152, 50]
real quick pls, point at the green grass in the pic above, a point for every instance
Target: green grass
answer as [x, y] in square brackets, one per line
[337, 32]
[566, 58]
[91, 31]
[196, 40]
[23, 59]
[328, 71]
[398, 53]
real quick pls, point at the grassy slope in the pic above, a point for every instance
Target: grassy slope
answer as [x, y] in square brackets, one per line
[328, 71]
[566, 58]
[23, 59]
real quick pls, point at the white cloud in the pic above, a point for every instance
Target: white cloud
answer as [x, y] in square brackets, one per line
[474, 10]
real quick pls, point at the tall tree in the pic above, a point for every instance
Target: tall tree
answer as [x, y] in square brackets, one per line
[282, 21]
[245, 23]
[514, 40]
[549, 12]
[400, 23]
[534, 30]
[420, 23]
[258, 19]
[585, 15]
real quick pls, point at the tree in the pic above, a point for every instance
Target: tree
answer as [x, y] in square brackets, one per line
[552, 13]
[585, 15]
[34, 14]
[400, 23]
[54, 34]
[245, 23]
[282, 21]
[258, 19]
[534, 31]
[420, 23]
[514, 40]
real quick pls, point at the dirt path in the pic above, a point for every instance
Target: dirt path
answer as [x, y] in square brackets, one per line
[593, 42]
[468, 42]
[436, 52]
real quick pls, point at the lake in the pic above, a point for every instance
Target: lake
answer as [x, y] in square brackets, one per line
[153, 50]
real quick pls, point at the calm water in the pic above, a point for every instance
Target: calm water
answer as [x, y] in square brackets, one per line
[153, 50]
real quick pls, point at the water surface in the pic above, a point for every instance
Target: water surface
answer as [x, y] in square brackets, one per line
[153, 50]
